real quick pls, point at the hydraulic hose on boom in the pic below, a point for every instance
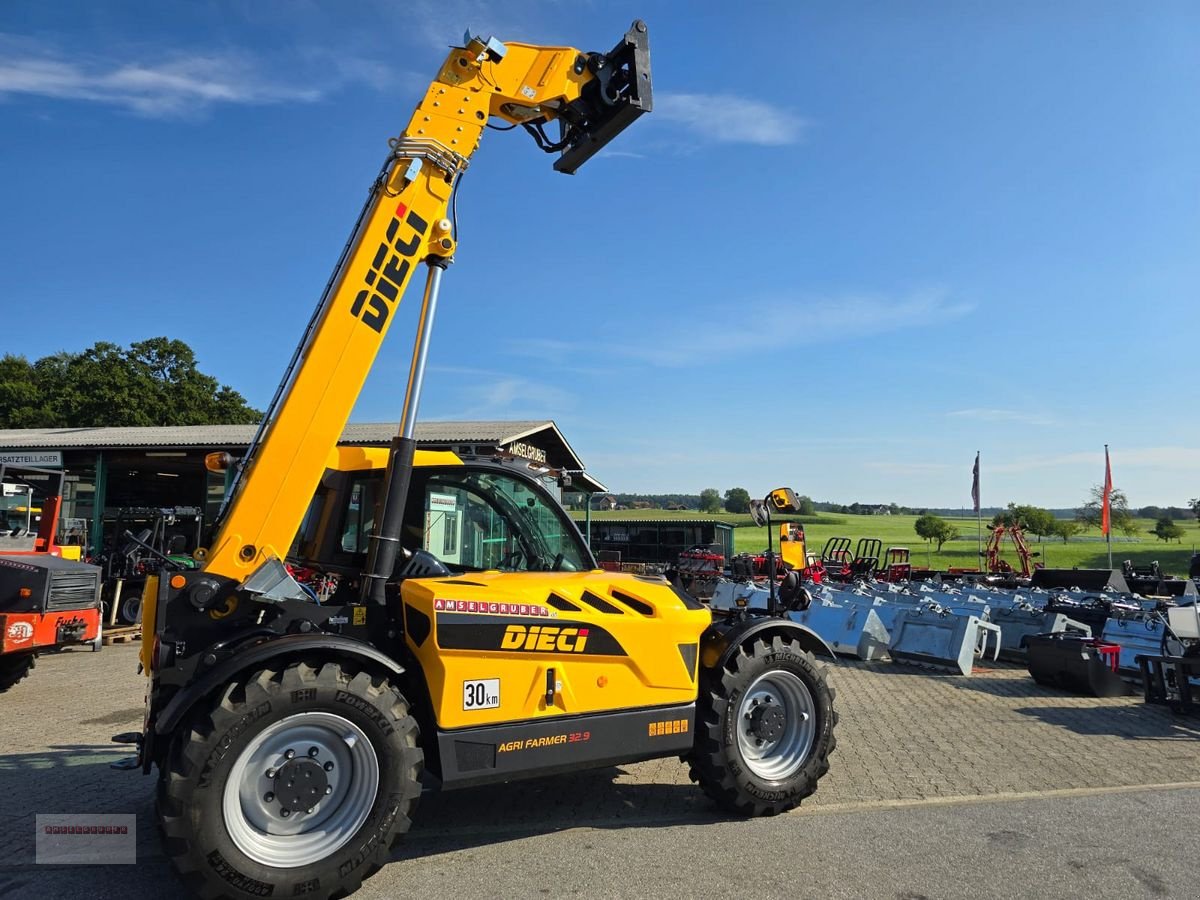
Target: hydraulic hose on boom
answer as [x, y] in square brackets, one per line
[406, 221]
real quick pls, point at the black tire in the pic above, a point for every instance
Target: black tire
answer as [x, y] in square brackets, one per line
[221, 739]
[14, 667]
[718, 762]
[129, 607]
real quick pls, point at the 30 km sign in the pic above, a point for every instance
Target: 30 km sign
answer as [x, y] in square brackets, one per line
[482, 694]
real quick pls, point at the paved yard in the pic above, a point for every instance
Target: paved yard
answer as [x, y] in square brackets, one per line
[906, 737]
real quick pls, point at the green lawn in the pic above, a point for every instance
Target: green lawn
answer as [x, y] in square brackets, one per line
[1087, 551]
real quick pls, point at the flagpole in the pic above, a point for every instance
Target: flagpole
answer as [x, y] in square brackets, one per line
[1107, 492]
[978, 521]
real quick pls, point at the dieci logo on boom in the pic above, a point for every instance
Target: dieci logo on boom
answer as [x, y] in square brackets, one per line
[387, 281]
[544, 638]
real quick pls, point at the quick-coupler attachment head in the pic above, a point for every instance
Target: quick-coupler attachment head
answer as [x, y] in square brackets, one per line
[619, 91]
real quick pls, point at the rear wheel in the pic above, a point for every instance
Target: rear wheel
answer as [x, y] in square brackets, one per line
[295, 781]
[764, 728]
[14, 667]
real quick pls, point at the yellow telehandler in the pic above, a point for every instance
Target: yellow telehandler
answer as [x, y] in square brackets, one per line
[361, 619]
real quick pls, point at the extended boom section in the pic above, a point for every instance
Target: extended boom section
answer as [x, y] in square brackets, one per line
[406, 222]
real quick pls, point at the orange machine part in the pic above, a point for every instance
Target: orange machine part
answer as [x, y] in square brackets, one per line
[35, 631]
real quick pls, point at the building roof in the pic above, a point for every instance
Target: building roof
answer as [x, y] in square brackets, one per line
[99, 437]
[559, 453]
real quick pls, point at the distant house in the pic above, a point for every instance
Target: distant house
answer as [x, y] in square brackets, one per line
[642, 504]
[882, 511]
[676, 506]
[606, 502]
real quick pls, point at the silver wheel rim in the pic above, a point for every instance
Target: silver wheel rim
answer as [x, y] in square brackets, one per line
[781, 757]
[258, 827]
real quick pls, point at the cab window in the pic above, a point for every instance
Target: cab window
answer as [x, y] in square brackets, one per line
[492, 520]
[359, 520]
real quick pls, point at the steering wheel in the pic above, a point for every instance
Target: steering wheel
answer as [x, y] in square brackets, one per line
[512, 560]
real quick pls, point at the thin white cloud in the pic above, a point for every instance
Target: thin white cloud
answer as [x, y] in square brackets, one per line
[177, 86]
[734, 328]
[730, 119]
[1004, 416]
[442, 23]
[1171, 458]
[900, 468]
[490, 397]
[621, 154]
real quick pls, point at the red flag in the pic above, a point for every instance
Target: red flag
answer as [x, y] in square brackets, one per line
[1106, 506]
[975, 482]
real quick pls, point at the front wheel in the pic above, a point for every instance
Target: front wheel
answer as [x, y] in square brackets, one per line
[295, 781]
[14, 667]
[764, 728]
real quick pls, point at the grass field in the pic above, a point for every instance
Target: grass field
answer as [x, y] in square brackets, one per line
[1086, 551]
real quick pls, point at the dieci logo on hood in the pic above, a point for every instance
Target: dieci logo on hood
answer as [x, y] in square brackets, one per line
[544, 638]
[20, 632]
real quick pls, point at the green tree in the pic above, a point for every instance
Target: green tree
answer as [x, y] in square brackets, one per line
[1194, 503]
[1166, 530]
[153, 382]
[1032, 519]
[710, 500]
[1066, 529]
[935, 529]
[737, 500]
[1089, 515]
[19, 396]
[805, 507]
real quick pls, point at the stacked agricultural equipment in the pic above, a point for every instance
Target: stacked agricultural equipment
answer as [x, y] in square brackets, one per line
[1149, 581]
[873, 606]
[699, 567]
[945, 628]
[1172, 677]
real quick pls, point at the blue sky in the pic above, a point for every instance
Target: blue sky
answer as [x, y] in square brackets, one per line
[853, 244]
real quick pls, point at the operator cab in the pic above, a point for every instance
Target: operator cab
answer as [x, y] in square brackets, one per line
[478, 515]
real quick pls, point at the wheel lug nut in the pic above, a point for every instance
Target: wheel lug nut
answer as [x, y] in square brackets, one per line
[289, 754]
[285, 812]
[271, 773]
[329, 766]
[313, 751]
[329, 789]
[309, 811]
[268, 797]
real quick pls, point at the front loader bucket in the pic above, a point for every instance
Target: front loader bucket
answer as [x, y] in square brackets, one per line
[851, 630]
[1135, 636]
[737, 595]
[938, 639]
[1019, 624]
[1074, 664]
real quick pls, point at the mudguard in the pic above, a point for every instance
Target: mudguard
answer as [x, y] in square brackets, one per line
[722, 639]
[286, 645]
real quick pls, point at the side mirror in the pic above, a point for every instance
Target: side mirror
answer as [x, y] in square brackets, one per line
[784, 500]
[758, 512]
